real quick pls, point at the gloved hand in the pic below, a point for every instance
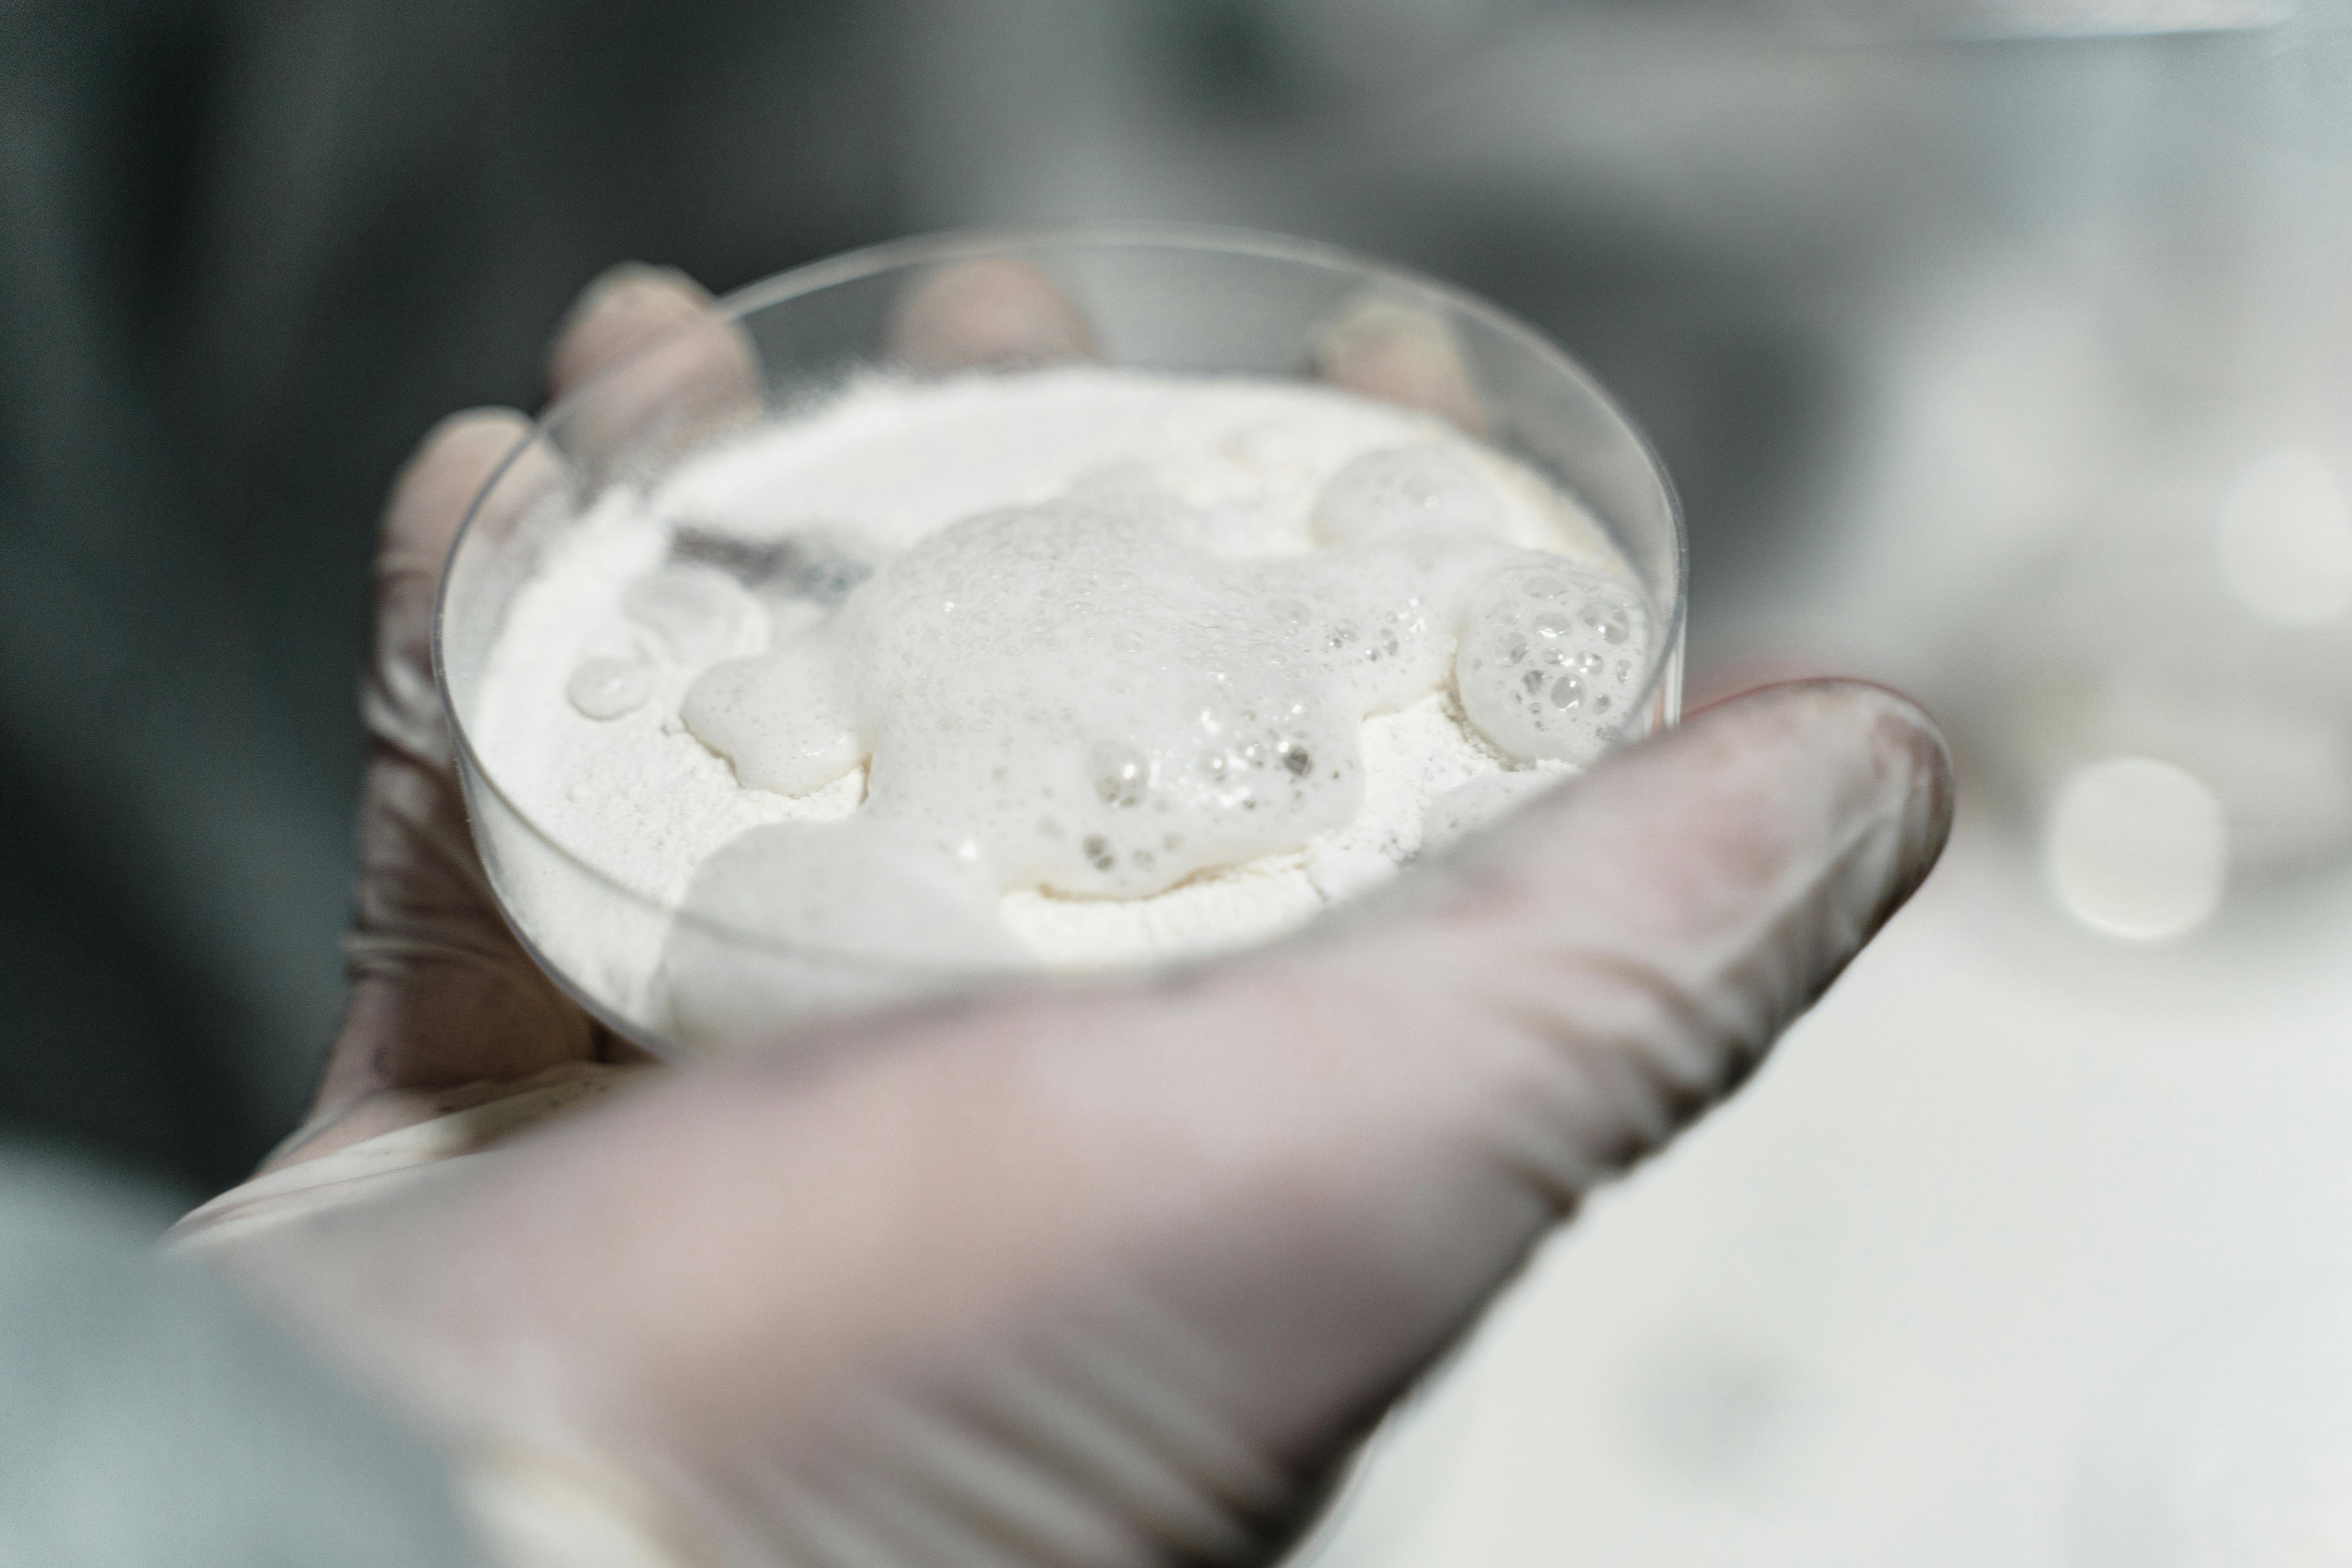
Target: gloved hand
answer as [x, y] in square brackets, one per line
[1100, 1275]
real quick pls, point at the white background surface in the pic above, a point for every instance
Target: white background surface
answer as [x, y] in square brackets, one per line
[1873, 1312]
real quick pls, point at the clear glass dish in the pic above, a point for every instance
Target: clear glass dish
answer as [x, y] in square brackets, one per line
[1167, 298]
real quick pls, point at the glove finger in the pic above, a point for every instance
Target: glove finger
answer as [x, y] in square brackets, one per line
[1309, 1173]
[442, 995]
[430, 501]
[1394, 353]
[1641, 937]
[1136, 1264]
[995, 313]
[690, 373]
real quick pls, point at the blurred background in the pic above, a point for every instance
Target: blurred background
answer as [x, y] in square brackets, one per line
[1999, 349]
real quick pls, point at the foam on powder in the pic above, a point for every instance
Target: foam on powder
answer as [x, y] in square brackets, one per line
[1077, 668]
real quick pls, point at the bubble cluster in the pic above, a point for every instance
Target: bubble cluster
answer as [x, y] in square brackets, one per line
[1082, 701]
[1552, 658]
[1104, 710]
[1077, 697]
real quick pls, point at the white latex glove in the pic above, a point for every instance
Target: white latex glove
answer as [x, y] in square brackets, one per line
[1096, 1276]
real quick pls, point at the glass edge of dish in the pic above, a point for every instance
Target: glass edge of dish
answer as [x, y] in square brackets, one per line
[950, 246]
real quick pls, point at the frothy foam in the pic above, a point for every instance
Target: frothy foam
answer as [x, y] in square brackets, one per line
[1076, 697]
[1080, 667]
[1552, 659]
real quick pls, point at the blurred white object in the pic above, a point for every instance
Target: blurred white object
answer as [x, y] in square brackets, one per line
[2138, 849]
[2099, 18]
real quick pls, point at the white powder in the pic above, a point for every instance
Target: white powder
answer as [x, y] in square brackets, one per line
[579, 720]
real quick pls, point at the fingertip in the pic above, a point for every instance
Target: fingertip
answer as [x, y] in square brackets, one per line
[1905, 729]
[1698, 836]
[1870, 752]
[691, 370]
[634, 279]
[1397, 354]
[623, 310]
[441, 480]
[469, 426]
[1895, 723]
[994, 312]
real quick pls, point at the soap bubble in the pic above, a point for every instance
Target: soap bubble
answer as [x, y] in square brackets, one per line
[1122, 776]
[1530, 621]
[1402, 489]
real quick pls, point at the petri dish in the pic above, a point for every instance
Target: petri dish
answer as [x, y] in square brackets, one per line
[1174, 300]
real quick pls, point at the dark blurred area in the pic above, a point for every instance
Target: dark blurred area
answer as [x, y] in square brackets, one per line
[251, 252]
